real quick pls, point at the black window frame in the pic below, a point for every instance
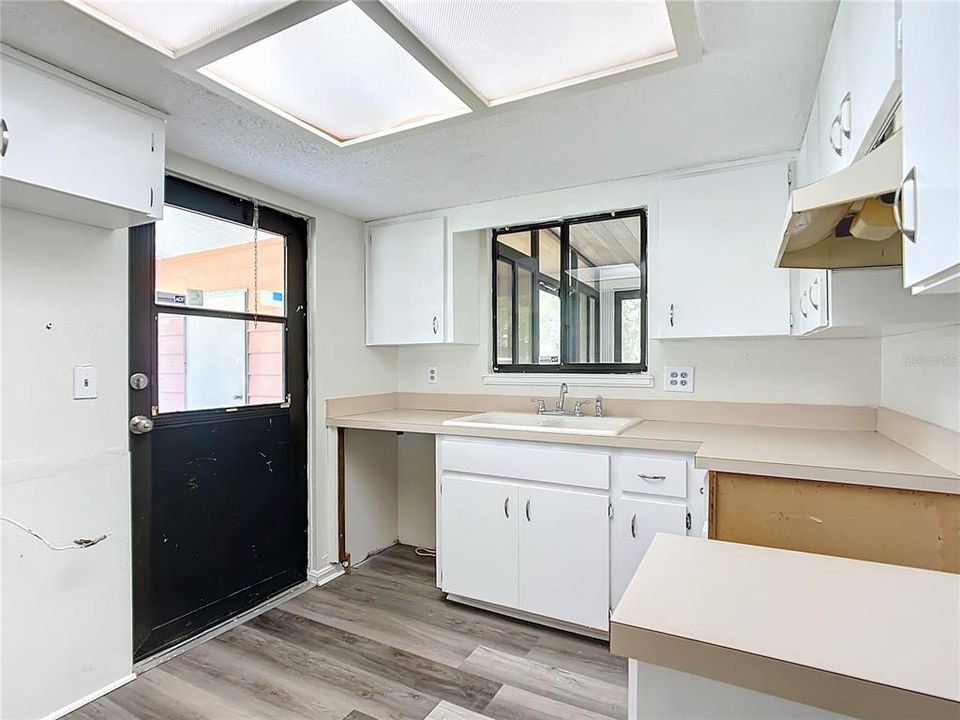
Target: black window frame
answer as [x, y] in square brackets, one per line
[568, 333]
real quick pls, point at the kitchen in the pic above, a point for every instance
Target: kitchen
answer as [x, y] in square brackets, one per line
[313, 339]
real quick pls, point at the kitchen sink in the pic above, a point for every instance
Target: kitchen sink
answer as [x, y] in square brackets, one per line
[560, 424]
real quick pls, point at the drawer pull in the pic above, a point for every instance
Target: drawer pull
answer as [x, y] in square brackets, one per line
[633, 525]
[506, 507]
[651, 477]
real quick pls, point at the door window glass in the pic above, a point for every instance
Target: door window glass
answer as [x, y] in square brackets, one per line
[198, 256]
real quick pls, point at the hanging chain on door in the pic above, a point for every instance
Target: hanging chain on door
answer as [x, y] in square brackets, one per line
[256, 262]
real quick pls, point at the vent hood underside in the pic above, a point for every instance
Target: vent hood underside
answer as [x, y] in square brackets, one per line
[846, 220]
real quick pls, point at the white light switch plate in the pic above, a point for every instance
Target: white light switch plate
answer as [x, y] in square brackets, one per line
[84, 382]
[678, 378]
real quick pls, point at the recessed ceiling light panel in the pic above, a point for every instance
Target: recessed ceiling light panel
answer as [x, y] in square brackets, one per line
[176, 27]
[340, 75]
[509, 50]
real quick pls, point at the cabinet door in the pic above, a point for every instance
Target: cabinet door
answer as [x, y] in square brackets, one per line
[871, 68]
[71, 140]
[564, 555]
[834, 115]
[479, 527]
[635, 522]
[931, 64]
[715, 274]
[808, 160]
[809, 300]
[405, 282]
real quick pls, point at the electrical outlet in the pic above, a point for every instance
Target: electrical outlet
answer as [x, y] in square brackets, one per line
[432, 375]
[84, 382]
[678, 378]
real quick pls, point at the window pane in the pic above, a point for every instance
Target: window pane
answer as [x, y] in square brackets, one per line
[525, 316]
[549, 328]
[604, 259]
[630, 330]
[206, 362]
[518, 241]
[198, 256]
[549, 244]
[504, 312]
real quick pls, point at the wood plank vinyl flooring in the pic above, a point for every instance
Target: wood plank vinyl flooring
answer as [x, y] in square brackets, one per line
[379, 644]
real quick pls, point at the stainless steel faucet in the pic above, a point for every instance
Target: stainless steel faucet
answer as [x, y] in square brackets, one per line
[560, 408]
[562, 398]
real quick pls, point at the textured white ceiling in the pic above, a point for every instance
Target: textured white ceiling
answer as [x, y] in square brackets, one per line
[749, 95]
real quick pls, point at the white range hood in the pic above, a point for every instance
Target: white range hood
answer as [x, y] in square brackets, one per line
[846, 220]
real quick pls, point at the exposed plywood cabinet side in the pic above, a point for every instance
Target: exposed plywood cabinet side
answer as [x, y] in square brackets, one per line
[900, 527]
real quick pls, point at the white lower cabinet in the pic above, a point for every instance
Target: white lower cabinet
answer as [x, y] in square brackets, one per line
[480, 540]
[555, 531]
[564, 555]
[635, 522]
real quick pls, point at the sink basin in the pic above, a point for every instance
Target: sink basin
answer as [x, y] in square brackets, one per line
[561, 424]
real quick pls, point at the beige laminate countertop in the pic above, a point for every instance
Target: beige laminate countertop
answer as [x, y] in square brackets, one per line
[867, 639]
[845, 456]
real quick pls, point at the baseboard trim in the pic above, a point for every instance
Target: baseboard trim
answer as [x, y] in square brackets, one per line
[162, 657]
[324, 575]
[530, 617]
[77, 704]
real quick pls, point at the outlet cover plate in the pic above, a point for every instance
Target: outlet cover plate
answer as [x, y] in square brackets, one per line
[432, 375]
[678, 378]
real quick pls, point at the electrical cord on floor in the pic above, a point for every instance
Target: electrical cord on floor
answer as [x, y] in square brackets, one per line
[78, 544]
[425, 552]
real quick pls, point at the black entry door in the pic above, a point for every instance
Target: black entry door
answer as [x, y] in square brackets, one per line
[218, 369]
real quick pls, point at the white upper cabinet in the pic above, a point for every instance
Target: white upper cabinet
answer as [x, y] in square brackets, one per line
[833, 101]
[808, 159]
[714, 272]
[871, 62]
[930, 193]
[72, 152]
[421, 283]
[858, 83]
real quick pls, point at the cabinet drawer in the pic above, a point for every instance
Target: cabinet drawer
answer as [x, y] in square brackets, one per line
[527, 461]
[655, 476]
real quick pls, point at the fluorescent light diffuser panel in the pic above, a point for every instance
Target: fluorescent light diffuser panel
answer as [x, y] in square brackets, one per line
[174, 27]
[509, 50]
[340, 75]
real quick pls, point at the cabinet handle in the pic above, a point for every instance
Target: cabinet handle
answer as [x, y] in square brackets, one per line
[909, 233]
[671, 314]
[845, 131]
[651, 477]
[506, 506]
[816, 283]
[435, 325]
[835, 124]
[528, 511]
[633, 525]
[802, 299]
[4, 137]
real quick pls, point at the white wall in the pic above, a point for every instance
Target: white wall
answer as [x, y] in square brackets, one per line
[66, 616]
[921, 375]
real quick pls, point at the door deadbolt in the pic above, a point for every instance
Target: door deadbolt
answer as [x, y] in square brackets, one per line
[140, 424]
[138, 381]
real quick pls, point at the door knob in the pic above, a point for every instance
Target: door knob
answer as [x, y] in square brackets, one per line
[140, 424]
